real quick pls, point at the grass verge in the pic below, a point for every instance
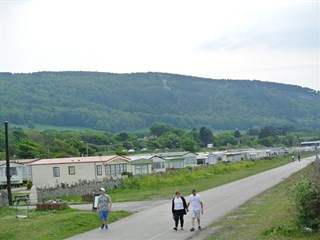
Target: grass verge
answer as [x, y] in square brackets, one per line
[266, 217]
[50, 225]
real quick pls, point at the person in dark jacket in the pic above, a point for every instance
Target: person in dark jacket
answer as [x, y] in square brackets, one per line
[179, 209]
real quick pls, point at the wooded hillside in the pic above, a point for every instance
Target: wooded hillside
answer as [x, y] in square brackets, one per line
[119, 102]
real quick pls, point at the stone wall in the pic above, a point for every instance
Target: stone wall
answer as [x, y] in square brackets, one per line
[75, 189]
[4, 201]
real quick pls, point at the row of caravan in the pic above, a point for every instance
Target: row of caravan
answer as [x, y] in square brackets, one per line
[49, 172]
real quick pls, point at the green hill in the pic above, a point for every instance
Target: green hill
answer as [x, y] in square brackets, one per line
[119, 102]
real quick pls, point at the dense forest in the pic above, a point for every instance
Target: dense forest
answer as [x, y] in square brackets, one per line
[131, 102]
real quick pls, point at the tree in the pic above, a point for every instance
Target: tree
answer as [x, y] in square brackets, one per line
[267, 141]
[189, 145]
[61, 148]
[225, 138]
[237, 133]
[206, 136]
[157, 129]
[26, 148]
[267, 132]
[169, 140]
[122, 136]
[253, 131]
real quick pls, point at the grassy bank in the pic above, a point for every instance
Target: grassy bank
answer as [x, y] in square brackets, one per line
[201, 178]
[148, 187]
[266, 217]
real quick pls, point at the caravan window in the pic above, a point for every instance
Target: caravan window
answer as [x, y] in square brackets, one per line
[141, 169]
[158, 165]
[72, 170]
[115, 169]
[99, 170]
[13, 171]
[56, 171]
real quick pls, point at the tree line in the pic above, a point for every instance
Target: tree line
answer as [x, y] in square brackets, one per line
[30, 143]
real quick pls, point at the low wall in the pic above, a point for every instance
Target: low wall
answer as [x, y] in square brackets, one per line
[75, 189]
[4, 201]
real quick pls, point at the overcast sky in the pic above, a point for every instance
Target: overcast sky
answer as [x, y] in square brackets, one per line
[271, 40]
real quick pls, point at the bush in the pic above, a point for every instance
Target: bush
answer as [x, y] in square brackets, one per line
[306, 195]
[133, 183]
[129, 174]
[29, 184]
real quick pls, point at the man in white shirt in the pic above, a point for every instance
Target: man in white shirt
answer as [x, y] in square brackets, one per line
[195, 207]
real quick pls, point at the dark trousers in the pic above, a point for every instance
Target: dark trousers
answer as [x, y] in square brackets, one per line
[178, 215]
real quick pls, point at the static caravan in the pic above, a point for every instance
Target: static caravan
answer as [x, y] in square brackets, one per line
[15, 172]
[176, 160]
[51, 172]
[141, 166]
[207, 158]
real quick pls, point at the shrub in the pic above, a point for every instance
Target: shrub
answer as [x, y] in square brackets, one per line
[129, 174]
[306, 196]
[29, 184]
[133, 182]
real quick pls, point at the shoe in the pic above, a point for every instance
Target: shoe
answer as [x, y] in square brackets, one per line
[199, 227]
[181, 228]
[192, 229]
[175, 228]
[106, 227]
[102, 226]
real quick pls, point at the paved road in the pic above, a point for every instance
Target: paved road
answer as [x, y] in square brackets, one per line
[155, 222]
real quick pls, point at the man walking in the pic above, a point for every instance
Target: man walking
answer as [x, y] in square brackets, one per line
[195, 207]
[104, 207]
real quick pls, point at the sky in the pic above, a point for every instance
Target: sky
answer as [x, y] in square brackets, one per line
[267, 40]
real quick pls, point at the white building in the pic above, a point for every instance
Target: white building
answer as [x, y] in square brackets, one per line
[50, 172]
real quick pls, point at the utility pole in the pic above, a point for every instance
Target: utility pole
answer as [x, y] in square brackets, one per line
[8, 173]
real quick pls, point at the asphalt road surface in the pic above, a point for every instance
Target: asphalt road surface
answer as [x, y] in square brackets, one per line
[153, 221]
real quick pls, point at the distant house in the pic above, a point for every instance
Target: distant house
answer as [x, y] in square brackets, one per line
[50, 172]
